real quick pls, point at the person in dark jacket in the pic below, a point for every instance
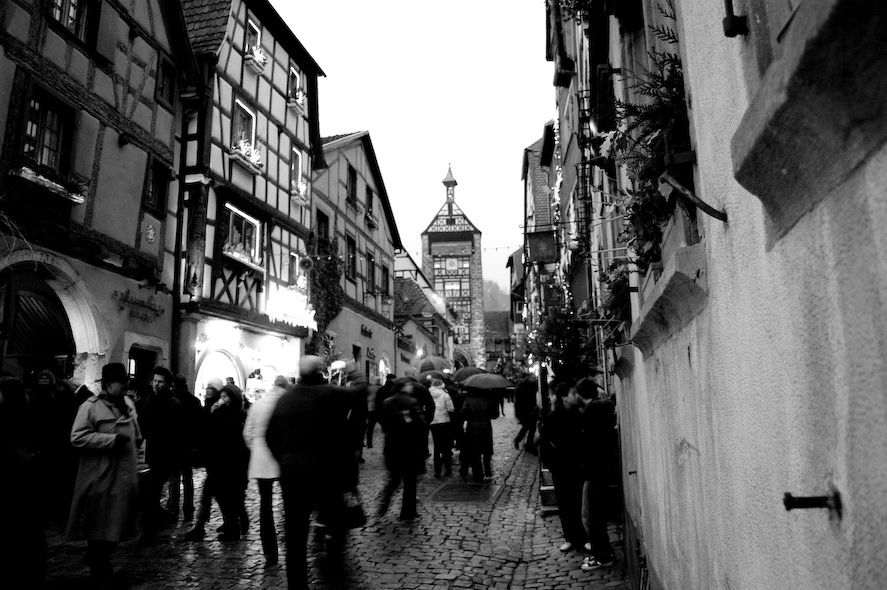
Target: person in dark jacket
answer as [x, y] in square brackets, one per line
[597, 449]
[406, 432]
[162, 423]
[421, 394]
[182, 475]
[477, 411]
[560, 442]
[226, 464]
[22, 542]
[308, 436]
[526, 410]
[211, 395]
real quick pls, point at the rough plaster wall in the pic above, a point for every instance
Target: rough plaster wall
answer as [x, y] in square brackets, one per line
[777, 386]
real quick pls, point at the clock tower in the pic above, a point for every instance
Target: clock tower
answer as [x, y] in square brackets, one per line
[451, 258]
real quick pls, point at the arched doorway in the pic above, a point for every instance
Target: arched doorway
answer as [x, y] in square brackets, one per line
[460, 360]
[217, 363]
[35, 332]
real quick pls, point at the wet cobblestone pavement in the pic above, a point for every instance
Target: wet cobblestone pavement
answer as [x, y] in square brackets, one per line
[490, 535]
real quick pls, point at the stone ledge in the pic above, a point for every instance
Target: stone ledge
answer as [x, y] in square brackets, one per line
[818, 112]
[679, 295]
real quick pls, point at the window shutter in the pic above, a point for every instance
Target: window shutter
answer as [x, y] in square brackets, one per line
[106, 39]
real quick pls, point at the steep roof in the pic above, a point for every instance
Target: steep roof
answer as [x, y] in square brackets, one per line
[342, 141]
[451, 210]
[409, 300]
[207, 22]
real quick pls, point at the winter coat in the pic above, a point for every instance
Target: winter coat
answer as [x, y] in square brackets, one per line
[443, 405]
[478, 430]
[403, 421]
[104, 507]
[262, 464]
[227, 455]
[307, 436]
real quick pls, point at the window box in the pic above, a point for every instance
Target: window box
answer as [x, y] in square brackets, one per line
[247, 155]
[296, 102]
[371, 220]
[299, 194]
[255, 59]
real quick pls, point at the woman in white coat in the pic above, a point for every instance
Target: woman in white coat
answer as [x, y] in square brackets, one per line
[262, 465]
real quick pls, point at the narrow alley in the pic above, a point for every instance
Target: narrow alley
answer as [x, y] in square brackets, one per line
[490, 535]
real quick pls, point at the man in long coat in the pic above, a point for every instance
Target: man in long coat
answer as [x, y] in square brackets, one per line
[103, 510]
[308, 436]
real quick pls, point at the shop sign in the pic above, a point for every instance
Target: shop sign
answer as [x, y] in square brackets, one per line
[371, 354]
[404, 358]
[365, 331]
[145, 309]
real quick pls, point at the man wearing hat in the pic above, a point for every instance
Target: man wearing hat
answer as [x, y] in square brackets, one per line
[104, 506]
[307, 435]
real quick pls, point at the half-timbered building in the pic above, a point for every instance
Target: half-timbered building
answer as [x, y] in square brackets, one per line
[252, 144]
[353, 213]
[89, 178]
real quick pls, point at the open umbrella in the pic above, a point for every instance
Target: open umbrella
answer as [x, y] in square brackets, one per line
[432, 363]
[466, 372]
[487, 381]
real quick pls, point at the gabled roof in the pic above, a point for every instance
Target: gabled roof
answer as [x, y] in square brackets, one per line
[450, 209]
[345, 140]
[208, 22]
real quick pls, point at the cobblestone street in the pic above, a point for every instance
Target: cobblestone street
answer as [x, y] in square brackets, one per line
[497, 539]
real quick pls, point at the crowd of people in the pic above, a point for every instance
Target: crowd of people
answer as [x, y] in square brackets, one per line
[100, 464]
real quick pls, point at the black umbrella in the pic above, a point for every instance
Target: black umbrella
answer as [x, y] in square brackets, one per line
[466, 372]
[487, 381]
[429, 375]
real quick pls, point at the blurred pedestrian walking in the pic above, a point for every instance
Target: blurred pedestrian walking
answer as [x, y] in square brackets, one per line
[103, 510]
[263, 466]
[403, 420]
[526, 410]
[308, 436]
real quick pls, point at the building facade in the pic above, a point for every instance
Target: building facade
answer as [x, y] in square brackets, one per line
[451, 258]
[252, 142]
[739, 331]
[352, 212]
[90, 120]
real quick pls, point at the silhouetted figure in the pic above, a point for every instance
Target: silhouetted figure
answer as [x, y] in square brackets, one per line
[308, 436]
[403, 421]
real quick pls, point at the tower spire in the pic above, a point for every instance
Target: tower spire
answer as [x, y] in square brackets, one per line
[450, 183]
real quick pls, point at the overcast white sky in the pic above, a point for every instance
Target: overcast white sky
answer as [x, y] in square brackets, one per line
[462, 82]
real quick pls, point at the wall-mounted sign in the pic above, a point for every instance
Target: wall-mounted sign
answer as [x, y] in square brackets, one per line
[371, 354]
[150, 233]
[542, 247]
[404, 358]
[365, 331]
[140, 309]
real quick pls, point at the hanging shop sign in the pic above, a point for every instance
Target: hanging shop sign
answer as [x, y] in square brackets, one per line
[145, 309]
